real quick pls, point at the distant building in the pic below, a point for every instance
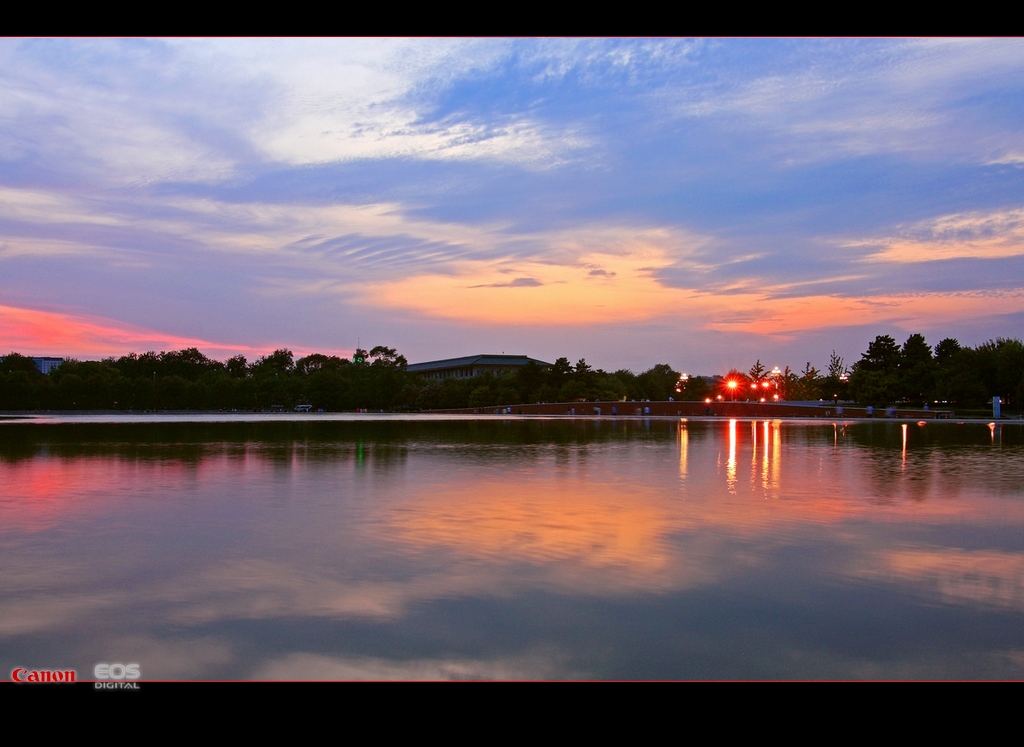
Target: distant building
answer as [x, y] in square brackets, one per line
[473, 365]
[45, 365]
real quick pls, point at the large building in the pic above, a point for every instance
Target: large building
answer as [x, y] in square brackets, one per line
[473, 365]
[43, 363]
[46, 364]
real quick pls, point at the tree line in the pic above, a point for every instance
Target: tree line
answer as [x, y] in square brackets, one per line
[911, 374]
[371, 380]
[887, 373]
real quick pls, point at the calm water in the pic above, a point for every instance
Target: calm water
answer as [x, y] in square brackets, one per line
[362, 547]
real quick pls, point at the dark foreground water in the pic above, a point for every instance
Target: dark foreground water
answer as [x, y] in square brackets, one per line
[351, 548]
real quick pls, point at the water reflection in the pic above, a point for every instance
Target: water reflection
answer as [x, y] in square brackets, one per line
[507, 548]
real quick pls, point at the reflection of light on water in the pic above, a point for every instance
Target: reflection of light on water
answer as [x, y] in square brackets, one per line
[684, 445]
[764, 460]
[753, 447]
[730, 466]
[904, 445]
[753, 454]
[776, 453]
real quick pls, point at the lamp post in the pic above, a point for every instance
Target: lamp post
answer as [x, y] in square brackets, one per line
[732, 388]
[843, 378]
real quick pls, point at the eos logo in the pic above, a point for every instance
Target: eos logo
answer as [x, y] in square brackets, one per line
[117, 671]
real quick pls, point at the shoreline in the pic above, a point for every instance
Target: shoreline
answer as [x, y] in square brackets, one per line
[206, 416]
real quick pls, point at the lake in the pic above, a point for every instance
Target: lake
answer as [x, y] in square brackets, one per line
[378, 547]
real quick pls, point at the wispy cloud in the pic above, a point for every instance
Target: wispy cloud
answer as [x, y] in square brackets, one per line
[311, 187]
[517, 283]
[838, 99]
[975, 235]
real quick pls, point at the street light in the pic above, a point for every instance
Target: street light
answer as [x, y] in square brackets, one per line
[732, 388]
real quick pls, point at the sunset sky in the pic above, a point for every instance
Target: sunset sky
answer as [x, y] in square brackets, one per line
[702, 203]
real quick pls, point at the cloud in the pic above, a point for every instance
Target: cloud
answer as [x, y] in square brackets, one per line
[308, 666]
[34, 332]
[225, 189]
[557, 294]
[975, 235]
[1009, 159]
[137, 111]
[517, 283]
[834, 99]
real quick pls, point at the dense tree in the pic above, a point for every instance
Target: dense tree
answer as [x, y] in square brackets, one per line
[916, 381]
[237, 367]
[1000, 366]
[694, 389]
[806, 386]
[946, 349]
[16, 362]
[186, 379]
[279, 363]
[883, 354]
[875, 377]
[658, 382]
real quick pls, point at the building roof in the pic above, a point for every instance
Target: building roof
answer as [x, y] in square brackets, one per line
[475, 360]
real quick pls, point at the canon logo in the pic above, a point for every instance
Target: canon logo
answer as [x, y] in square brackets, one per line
[43, 675]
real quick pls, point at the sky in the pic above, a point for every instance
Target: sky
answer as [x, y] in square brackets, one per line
[698, 202]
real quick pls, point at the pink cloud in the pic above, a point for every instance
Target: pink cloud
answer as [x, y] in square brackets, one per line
[33, 332]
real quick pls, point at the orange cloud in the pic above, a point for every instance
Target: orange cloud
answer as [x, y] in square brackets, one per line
[991, 235]
[759, 315]
[624, 289]
[593, 288]
[33, 332]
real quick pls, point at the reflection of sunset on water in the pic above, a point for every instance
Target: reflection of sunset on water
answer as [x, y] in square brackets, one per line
[535, 521]
[959, 576]
[621, 522]
[668, 519]
[42, 493]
